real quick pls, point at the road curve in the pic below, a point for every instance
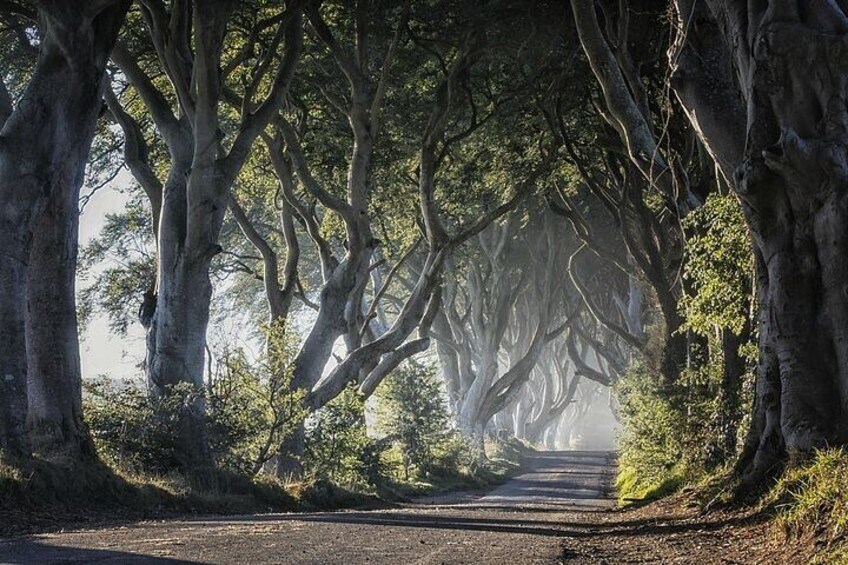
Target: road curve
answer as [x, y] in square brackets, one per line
[522, 521]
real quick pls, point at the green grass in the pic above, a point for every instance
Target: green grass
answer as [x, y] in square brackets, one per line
[44, 494]
[496, 471]
[632, 488]
[41, 494]
[812, 498]
[504, 462]
[831, 556]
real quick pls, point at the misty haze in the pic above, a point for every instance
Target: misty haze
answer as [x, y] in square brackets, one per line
[423, 281]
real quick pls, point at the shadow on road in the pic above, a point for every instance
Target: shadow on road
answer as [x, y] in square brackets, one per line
[28, 552]
[557, 506]
[412, 520]
[552, 528]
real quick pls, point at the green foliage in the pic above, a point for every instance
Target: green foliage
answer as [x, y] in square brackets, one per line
[252, 407]
[670, 433]
[131, 428]
[250, 410]
[337, 446]
[411, 410]
[652, 444]
[677, 433]
[414, 421]
[47, 494]
[719, 268]
[632, 486]
[120, 267]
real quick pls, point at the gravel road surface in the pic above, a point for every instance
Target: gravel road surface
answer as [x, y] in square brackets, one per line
[557, 511]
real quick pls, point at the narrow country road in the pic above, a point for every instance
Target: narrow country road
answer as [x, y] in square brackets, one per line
[557, 511]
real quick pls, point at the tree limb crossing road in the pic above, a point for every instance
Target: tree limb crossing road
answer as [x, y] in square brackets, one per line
[522, 521]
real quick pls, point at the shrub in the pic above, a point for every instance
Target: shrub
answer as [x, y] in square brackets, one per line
[717, 312]
[651, 445]
[250, 409]
[678, 432]
[411, 410]
[338, 448]
[670, 434]
[131, 428]
[251, 406]
[718, 269]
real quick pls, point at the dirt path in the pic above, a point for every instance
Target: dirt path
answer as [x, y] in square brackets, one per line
[555, 512]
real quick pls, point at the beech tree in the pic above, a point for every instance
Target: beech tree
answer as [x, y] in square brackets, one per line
[374, 349]
[188, 39]
[763, 88]
[336, 107]
[44, 143]
[494, 329]
[372, 160]
[558, 394]
[643, 167]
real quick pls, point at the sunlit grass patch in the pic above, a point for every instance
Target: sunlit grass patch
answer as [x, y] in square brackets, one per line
[812, 498]
[631, 487]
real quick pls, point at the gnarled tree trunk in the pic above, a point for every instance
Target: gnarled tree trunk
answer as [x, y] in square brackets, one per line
[189, 41]
[779, 68]
[44, 145]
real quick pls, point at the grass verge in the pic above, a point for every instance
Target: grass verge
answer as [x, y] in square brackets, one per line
[631, 489]
[47, 495]
[811, 499]
[43, 495]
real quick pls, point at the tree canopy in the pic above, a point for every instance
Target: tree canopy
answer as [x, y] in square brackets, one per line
[493, 216]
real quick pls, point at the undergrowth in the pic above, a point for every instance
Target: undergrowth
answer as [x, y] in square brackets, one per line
[811, 498]
[138, 474]
[809, 501]
[664, 440]
[682, 431]
[44, 495]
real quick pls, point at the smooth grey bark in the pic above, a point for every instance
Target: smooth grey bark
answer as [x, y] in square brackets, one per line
[44, 145]
[560, 388]
[278, 294]
[775, 120]
[348, 277]
[541, 397]
[54, 380]
[167, 198]
[562, 404]
[506, 311]
[340, 298]
[446, 350]
[188, 40]
[524, 407]
[654, 245]
[632, 309]
[621, 98]
[491, 294]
